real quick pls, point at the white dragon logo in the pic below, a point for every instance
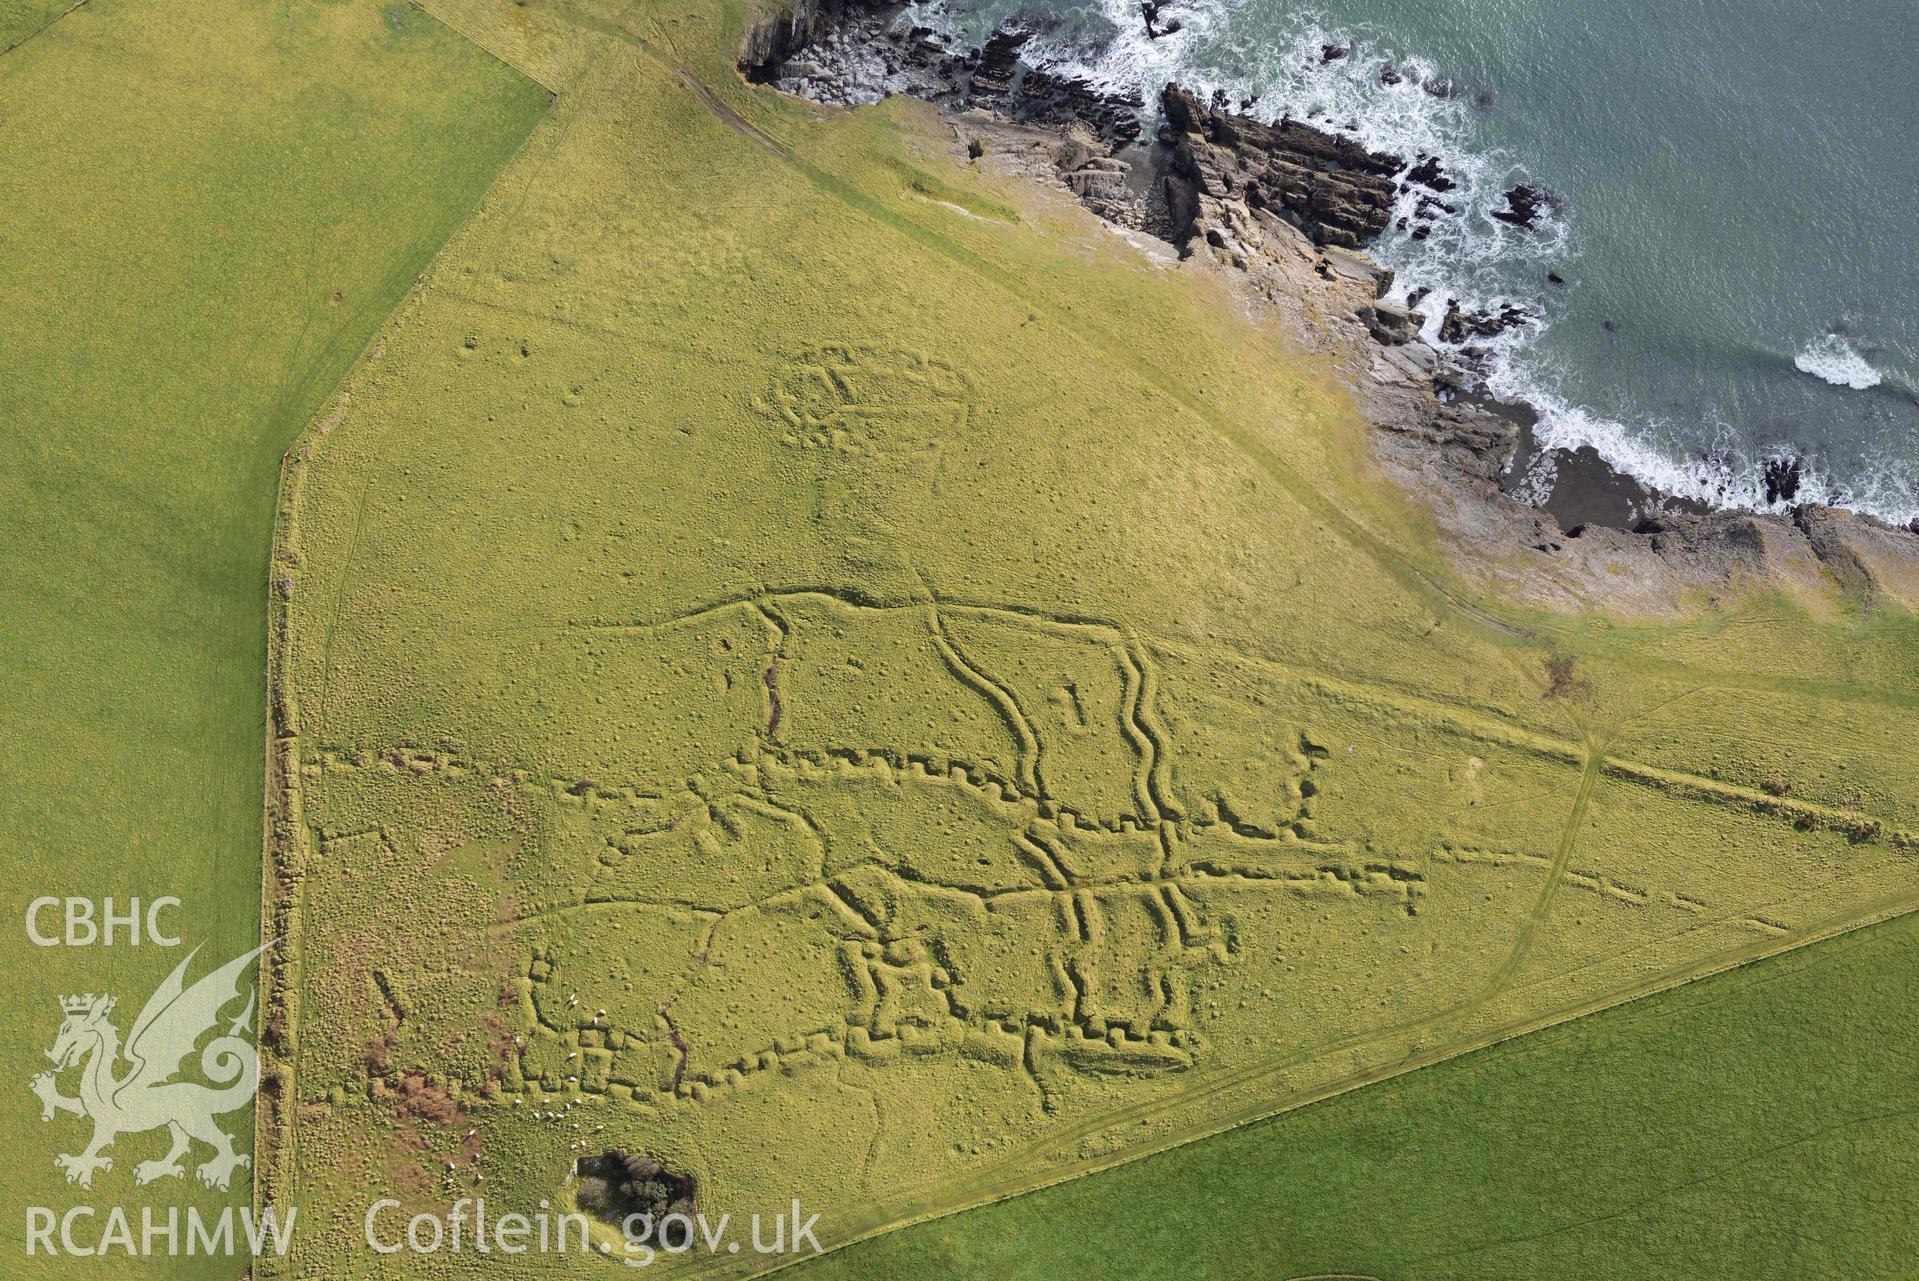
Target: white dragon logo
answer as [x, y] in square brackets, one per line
[147, 1097]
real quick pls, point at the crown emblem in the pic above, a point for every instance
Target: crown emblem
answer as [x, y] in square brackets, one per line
[174, 1022]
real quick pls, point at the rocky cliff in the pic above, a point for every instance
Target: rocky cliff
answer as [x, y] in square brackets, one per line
[1333, 189]
[1282, 211]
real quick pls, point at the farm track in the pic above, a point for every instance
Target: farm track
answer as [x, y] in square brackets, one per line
[44, 27]
[1212, 1108]
[954, 1197]
[1464, 718]
[1488, 621]
[1213, 1103]
[275, 1146]
[1109, 346]
[1210, 1105]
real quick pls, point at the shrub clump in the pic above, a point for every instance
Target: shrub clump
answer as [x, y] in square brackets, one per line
[617, 1185]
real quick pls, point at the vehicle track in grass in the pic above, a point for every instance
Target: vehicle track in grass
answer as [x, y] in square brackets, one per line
[1490, 622]
[922, 1205]
[1226, 1091]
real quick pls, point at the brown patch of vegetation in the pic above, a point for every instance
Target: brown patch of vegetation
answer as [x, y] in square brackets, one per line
[1561, 680]
[412, 1095]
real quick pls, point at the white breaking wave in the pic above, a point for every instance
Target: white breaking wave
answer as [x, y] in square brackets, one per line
[1834, 360]
[1397, 102]
[1386, 100]
[1716, 476]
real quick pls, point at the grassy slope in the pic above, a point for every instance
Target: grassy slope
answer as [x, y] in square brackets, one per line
[579, 420]
[1759, 1125]
[22, 20]
[208, 209]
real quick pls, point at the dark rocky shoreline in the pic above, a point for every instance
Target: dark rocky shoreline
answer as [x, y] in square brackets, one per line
[1290, 207]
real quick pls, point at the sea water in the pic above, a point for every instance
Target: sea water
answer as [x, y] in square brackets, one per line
[1736, 232]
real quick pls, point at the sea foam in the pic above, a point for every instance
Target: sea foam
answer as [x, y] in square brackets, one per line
[1833, 359]
[1399, 102]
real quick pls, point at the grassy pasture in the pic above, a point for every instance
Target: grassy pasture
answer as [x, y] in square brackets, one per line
[208, 208]
[21, 20]
[1756, 1125]
[895, 699]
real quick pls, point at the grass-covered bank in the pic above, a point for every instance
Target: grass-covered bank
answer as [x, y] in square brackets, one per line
[898, 697]
[208, 208]
[1757, 1126]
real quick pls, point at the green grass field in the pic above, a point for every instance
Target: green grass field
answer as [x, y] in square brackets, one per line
[895, 700]
[21, 20]
[797, 653]
[1758, 1126]
[208, 209]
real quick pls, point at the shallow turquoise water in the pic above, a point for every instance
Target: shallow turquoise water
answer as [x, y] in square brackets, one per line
[1739, 183]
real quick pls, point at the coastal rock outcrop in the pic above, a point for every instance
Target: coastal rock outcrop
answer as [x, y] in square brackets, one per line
[853, 52]
[1285, 210]
[771, 40]
[1525, 205]
[1103, 183]
[1461, 327]
[1390, 326]
[1330, 187]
